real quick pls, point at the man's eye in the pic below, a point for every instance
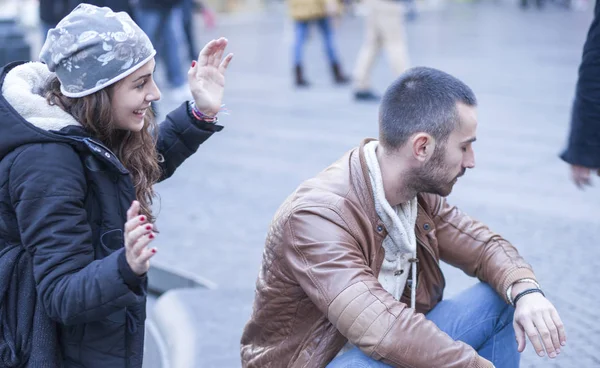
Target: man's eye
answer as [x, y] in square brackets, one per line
[139, 86]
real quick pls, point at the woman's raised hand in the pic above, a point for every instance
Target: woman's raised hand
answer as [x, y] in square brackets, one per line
[206, 77]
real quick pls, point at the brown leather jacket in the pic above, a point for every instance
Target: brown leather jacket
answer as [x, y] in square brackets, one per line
[318, 287]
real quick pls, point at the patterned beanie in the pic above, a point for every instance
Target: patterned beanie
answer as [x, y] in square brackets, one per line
[92, 48]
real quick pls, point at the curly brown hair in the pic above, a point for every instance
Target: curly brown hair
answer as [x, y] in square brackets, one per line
[136, 150]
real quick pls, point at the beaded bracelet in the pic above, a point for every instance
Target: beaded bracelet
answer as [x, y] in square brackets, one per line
[198, 115]
[525, 292]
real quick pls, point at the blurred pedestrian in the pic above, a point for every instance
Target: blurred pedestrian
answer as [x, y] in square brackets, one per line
[163, 20]
[384, 29]
[320, 13]
[583, 148]
[52, 11]
[190, 9]
[80, 152]
[525, 3]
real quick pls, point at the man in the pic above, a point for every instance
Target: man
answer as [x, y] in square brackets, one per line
[583, 150]
[346, 248]
[384, 28]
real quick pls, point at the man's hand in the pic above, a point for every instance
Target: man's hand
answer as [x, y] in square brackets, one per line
[581, 176]
[537, 317]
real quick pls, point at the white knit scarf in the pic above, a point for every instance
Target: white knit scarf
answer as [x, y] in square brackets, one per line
[401, 244]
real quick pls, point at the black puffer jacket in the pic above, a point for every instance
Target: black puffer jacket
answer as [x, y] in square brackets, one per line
[68, 297]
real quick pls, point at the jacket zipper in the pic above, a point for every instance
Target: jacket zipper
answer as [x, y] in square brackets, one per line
[101, 145]
[430, 251]
[127, 336]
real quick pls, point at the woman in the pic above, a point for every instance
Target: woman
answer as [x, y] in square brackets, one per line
[79, 154]
[304, 13]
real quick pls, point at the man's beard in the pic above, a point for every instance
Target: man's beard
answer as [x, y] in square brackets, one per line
[433, 176]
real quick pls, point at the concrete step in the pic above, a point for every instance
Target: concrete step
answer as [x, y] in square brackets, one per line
[190, 322]
[201, 327]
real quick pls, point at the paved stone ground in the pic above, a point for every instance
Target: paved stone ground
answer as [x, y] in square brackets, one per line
[522, 65]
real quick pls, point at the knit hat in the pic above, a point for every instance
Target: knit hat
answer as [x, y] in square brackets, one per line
[92, 48]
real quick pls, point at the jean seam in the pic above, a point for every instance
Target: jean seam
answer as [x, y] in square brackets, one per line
[473, 327]
[494, 348]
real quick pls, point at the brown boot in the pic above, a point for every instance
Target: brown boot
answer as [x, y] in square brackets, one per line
[338, 77]
[300, 81]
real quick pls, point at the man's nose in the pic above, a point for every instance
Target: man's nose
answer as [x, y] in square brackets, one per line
[469, 162]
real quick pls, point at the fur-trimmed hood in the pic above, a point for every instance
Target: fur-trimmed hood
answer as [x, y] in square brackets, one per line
[25, 116]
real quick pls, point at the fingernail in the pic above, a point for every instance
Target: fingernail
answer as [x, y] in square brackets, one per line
[153, 250]
[541, 353]
[552, 355]
[563, 343]
[148, 227]
[142, 218]
[557, 351]
[151, 236]
[193, 63]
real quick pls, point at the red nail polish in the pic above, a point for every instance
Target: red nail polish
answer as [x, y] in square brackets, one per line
[151, 236]
[148, 227]
[153, 250]
[193, 63]
[142, 218]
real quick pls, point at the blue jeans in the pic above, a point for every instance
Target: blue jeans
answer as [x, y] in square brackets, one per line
[477, 316]
[327, 33]
[166, 35]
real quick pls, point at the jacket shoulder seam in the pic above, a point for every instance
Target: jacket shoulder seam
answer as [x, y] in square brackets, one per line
[309, 272]
[462, 231]
[333, 208]
[29, 147]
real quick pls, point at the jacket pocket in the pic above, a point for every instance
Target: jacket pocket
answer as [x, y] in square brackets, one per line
[72, 334]
[118, 317]
[111, 240]
[107, 336]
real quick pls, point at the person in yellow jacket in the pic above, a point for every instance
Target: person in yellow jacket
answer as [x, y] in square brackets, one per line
[319, 12]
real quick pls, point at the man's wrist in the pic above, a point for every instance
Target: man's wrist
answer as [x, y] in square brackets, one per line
[519, 286]
[522, 286]
[527, 292]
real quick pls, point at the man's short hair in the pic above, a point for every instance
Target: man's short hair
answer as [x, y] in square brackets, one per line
[421, 100]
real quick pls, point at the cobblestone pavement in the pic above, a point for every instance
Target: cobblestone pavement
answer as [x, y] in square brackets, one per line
[215, 211]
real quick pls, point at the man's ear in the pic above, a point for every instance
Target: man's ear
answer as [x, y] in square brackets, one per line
[422, 146]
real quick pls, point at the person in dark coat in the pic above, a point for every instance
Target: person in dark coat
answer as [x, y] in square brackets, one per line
[52, 11]
[163, 21]
[79, 154]
[583, 148]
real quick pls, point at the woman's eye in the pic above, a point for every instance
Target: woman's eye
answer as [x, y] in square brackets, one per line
[139, 86]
